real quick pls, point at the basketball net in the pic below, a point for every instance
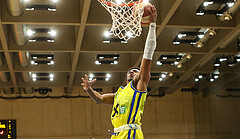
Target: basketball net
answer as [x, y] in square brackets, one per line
[126, 20]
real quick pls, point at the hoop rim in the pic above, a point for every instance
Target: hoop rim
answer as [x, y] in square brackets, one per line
[121, 5]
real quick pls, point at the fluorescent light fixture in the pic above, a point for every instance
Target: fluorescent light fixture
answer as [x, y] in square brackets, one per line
[34, 75]
[223, 59]
[182, 35]
[106, 79]
[215, 76]
[51, 75]
[108, 75]
[207, 3]
[52, 33]
[51, 62]
[30, 9]
[159, 63]
[106, 41]
[230, 4]
[176, 42]
[201, 36]
[200, 13]
[50, 40]
[32, 40]
[175, 63]
[91, 75]
[52, 10]
[97, 62]
[129, 34]
[115, 62]
[164, 57]
[106, 34]
[30, 32]
[163, 76]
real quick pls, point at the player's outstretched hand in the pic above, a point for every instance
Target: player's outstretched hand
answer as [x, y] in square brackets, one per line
[153, 14]
[86, 83]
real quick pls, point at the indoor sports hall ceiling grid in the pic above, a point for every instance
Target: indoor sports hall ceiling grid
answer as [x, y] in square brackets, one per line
[51, 44]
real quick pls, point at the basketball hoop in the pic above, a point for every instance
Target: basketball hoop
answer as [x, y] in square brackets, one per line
[126, 20]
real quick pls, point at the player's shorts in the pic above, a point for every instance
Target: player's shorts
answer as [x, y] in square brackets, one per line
[129, 134]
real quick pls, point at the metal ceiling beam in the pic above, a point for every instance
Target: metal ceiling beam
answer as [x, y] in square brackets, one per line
[7, 55]
[80, 36]
[225, 38]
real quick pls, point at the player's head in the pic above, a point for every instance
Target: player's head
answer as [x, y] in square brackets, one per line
[132, 72]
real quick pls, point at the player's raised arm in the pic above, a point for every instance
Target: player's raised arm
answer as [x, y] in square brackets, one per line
[149, 49]
[98, 98]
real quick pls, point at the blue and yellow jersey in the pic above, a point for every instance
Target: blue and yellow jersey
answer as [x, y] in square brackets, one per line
[128, 107]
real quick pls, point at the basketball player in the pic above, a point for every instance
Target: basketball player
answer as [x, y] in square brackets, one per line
[128, 102]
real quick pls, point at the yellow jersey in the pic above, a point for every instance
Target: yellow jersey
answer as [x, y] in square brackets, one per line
[128, 107]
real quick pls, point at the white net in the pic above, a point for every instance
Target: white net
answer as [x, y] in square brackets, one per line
[126, 18]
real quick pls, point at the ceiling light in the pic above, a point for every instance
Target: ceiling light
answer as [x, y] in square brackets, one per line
[106, 79]
[196, 79]
[34, 75]
[51, 75]
[115, 62]
[32, 62]
[26, 0]
[176, 42]
[106, 34]
[211, 80]
[119, 1]
[54, 1]
[30, 32]
[160, 79]
[51, 79]
[199, 44]
[200, 76]
[230, 4]
[91, 75]
[211, 33]
[30, 9]
[159, 63]
[179, 65]
[164, 57]
[50, 40]
[34, 79]
[189, 56]
[90, 79]
[101, 57]
[163, 76]
[97, 62]
[170, 74]
[201, 36]
[175, 62]
[32, 40]
[223, 59]
[200, 13]
[129, 34]
[182, 35]
[217, 64]
[108, 75]
[52, 33]
[207, 3]
[215, 76]
[52, 62]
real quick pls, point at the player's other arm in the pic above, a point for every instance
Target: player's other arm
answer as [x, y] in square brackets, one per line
[95, 96]
[149, 49]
